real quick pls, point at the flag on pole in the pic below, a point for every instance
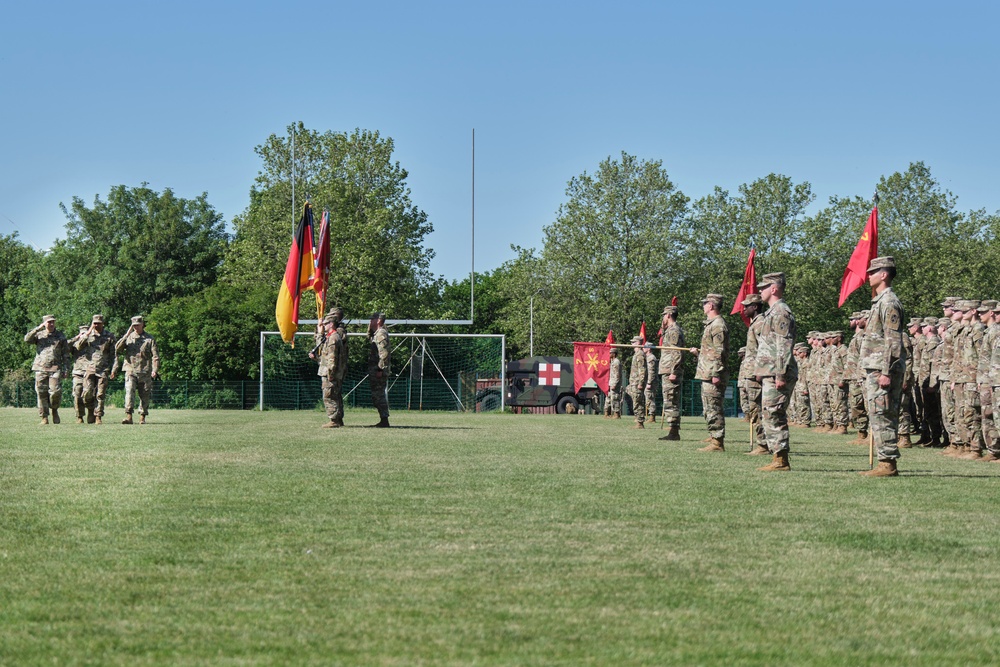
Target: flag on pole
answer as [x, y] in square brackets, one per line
[298, 277]
[321, 277]
[591, 365]
[749, 286]
[642, 332]
[856, 273]
[610, 339]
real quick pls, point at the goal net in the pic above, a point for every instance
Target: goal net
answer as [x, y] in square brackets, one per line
[429, 372]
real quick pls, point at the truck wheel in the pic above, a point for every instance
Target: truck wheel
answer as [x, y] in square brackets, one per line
[490, 403]
[566, 401]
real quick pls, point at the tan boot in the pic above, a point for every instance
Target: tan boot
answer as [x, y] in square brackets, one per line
[989, 457]
[91, 418]
[904, 441]
[714, 445]
[44, 422]
[638, 425]
[883, 469]
[652, 419]
[128, 418]
[839, 430]
[708, 439]
[79, 420]
[142, 419]
[778, 464]
[55, 415]
[98, 422]
[971, 455]
[330, 424]
[618, 415]
[673, 434]
[758, 450]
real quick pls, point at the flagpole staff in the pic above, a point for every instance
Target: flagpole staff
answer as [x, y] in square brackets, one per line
[657, 347]
[871, 449]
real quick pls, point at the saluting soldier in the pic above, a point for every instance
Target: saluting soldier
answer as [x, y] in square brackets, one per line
[99, 346]
[752, 307]
[331, 350]
[777, 369]
[713, 371]
[637, 380]
[883, 357]
[51, 354]
[613, 403]
[379, 367]
[141, 365]
[671, 373]
[80, 362]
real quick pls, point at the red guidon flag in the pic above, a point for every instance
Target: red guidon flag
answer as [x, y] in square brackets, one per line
[321, 276]
[591, 365]
[749, 286]
[856, 273]
[298, 277]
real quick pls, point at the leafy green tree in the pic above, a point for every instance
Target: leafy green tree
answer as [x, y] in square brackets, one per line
[17, 261]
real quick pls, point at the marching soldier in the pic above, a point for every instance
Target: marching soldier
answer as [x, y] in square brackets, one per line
[80, 362]
[613, 403]
[51, 354]
[637, 381]
[777, 369]
[141, 365]
[379, 366]
[883, 357]
[671, 373]
[99, 347]
[712, 370]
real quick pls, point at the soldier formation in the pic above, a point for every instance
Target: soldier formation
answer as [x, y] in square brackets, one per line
[92, 356]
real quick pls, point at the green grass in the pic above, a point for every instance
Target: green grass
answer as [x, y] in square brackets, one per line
[246, 538]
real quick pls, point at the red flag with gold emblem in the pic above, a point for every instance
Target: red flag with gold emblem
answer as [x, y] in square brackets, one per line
[591, 365]
[856, 273]
[748, 286]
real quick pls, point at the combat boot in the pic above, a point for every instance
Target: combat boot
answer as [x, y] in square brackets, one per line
[79, 420]
[652, 419]
[904, 441]
[883, 469]
[383, 422]
[638, 425]
[339, 422]
[618, 415]
[330, 424]
[971, 455]
[839, 430]
[142, 419]
[55, 415]
[673, 434]
[989, 457]
[862, 438]
[128, 418]
[98, 422]
[90, 416]
[45, 421]
[714, 445]
[758, 450]
[778, 464]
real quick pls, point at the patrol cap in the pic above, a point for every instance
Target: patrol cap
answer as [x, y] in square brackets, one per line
[751, 299]
[84, 327]
[670, 310]
[715, 299]
[636, 340]
[996, 309]
[138, 320]
[965, 305]
[944, 323]
[949, 302]
[814, 334]
[771, 279]
[915, 321]
[649, 345]
[929, 322]
[865, 314]
[855, 316]
[879, 263]
[48, 318]
[801, 346]
[987, 306]
[378, 316]
[330, 318]
[97, 319]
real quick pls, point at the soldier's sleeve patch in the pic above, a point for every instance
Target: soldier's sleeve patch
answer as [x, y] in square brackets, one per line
[783, 326]
[894, 319]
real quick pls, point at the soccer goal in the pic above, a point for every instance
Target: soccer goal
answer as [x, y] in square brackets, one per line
[429, 372]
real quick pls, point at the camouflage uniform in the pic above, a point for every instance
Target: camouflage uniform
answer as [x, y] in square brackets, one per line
[838, 387]
[672, 363]
[51, 354]
[993, 373]
[942, 366]
[651, 366]
[882, 353]
[968, 415]
[855, 376]
[637, 380]
[748, 375]
[100, 351]
[613, 404]
[775, 360]
[80, 362]
[332, 348]
[989, 429]
[906, 408]
[801, 393]
[379, 360]
[141, 362]
[819, 387]
[712, 363]
[930, 388]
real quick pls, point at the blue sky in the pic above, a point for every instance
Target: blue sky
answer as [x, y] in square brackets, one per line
[177, 94]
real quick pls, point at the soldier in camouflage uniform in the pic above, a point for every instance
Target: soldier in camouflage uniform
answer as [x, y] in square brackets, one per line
[855, 377]
[99, 347]
[331, 350]
[752, 307]
[838, 387]
[928, 382]
[713, 360]
[968, 411]
[993, 376]
[141, 365]
[671, 373]
[741, 385]
[80, 362]
[613, 403]
[948, 326]
[818, 383]
[777, 369]
[379, 367]
[651, 366]
[801, 392]
[51, 354]
[637, 381]
[907, 416]
[917, 344]
[990, 436]
[883, 356]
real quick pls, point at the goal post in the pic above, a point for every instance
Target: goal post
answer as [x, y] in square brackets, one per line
[459, 372]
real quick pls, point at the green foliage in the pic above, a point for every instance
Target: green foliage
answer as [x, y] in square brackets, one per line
[16, 262]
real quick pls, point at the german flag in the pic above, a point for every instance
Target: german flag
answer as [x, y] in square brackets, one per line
[299, 277]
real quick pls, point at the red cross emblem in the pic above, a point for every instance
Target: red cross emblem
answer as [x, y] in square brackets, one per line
[548, 374]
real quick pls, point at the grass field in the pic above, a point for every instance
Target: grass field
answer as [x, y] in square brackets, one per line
[247, 538]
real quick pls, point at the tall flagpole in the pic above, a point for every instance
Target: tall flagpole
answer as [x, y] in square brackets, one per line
[293, 179]
[472, 278]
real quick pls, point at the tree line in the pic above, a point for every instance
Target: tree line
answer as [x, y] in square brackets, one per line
[624, 242]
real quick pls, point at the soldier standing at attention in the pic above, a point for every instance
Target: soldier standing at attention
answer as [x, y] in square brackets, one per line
[929, 382]
[141, 365]
[883, 357]
[990, 435]
[51, 353]
[80, 362]
[332, 351]
[379, 367]
[99, 347]
[637, 381]
[855, 391]
[752, 307]
[613, 402]
[651, 365]
[777, 369]
[671, 372]
[713, 372]
[837, 391]
[801, 392]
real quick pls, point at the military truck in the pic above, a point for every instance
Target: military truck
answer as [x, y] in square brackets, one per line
[542, 382]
